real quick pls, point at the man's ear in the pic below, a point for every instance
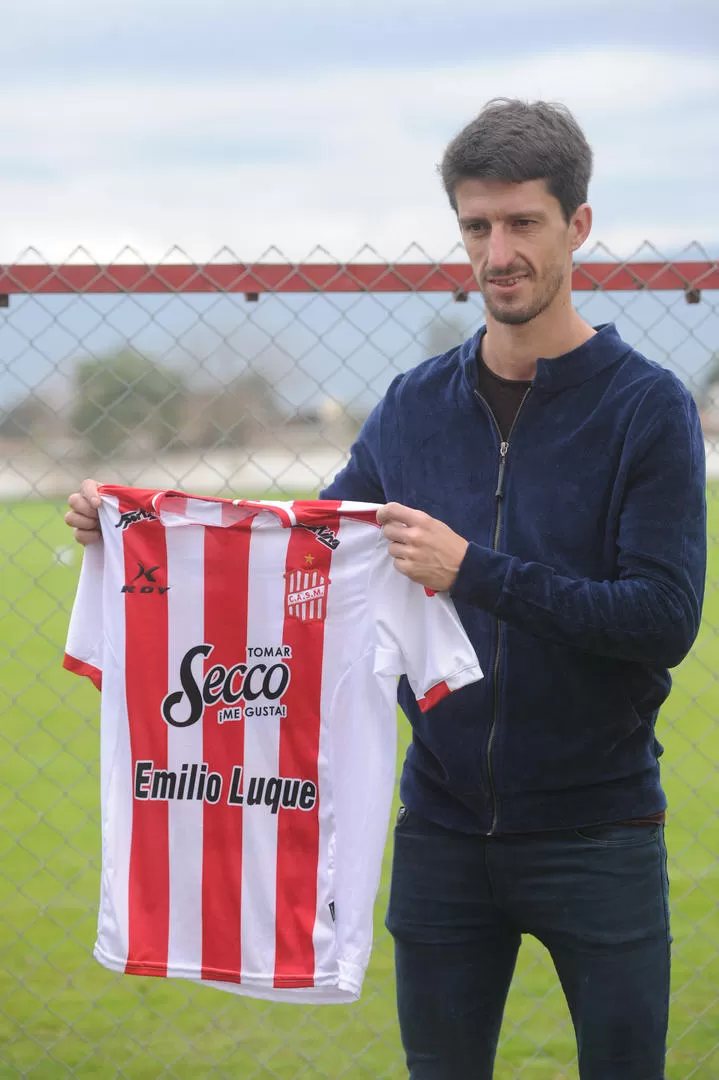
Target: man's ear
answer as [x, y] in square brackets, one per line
[580, 226]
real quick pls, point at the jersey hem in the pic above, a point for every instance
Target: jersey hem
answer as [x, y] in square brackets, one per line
[434, 694]
[79, 667]
[448, 686]
[333, 988]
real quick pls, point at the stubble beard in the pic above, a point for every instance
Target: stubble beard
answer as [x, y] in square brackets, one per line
[551, 285]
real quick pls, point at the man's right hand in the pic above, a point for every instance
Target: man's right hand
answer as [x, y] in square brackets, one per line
[82, 517]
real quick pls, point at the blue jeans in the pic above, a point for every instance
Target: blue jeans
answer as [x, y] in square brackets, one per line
[596, 897]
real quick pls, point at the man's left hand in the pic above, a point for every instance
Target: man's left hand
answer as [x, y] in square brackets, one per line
[423, 548]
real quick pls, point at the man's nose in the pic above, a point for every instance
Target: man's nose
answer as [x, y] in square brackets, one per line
[500, 254]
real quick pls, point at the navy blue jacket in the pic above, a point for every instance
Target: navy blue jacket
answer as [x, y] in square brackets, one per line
[582, 584]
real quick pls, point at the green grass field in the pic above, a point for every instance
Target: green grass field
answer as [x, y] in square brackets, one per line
[63, 1015]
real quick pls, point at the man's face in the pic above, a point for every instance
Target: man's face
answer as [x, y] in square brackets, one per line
[519, 244]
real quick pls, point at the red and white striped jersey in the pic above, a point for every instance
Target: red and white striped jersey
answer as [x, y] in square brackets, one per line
[247, 654]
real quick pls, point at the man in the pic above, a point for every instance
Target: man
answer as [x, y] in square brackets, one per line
[552, 480]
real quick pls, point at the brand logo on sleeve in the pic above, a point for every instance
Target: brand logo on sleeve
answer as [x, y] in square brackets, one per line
[324, 534]
[132, 517]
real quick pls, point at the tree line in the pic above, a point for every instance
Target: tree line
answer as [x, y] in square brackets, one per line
[130, 402]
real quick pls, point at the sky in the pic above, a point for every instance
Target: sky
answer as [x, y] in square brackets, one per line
[312, 129]
[297, 125]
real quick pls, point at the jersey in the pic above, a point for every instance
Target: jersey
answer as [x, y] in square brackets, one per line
[247, 654]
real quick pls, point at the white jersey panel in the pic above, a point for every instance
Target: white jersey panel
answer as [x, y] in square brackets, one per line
[347, 633]
[185, 564]
[265, 624]
[115, 756]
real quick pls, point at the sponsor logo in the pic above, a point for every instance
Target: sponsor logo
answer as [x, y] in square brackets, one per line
[146, 574]
[324, 534]
[132, 517]
[227, 716]
[306, 594]
[237, 687]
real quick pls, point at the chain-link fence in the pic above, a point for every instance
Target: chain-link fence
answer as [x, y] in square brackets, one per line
[254, 380]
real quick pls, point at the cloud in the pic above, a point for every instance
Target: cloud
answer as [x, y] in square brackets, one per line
[338, 158]
[43, 40]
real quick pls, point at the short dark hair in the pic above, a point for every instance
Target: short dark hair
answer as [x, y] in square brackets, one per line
[515, 141]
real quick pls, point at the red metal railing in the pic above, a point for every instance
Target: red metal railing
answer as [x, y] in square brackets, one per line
[253, 279]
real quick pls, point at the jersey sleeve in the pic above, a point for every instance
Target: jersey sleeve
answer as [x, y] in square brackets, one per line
[419, 634]
[85, 636]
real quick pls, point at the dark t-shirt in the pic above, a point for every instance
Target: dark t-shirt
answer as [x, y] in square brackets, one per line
[504, 396]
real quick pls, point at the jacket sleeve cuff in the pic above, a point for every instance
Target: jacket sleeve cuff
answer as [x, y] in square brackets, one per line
[481, 577]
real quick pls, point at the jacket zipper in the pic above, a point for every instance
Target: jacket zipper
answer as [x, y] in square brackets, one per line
[499, 496]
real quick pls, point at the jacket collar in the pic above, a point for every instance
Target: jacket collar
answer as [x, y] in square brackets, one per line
[571, 369]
